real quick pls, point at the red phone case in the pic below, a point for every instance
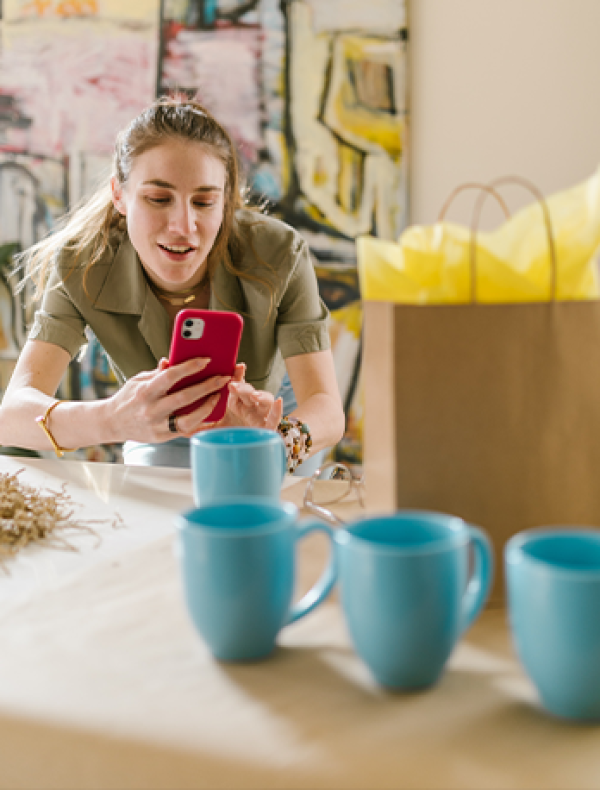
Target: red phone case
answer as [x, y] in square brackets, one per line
[214, 334]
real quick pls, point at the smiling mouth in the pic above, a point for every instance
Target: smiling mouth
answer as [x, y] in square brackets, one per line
[177, 248]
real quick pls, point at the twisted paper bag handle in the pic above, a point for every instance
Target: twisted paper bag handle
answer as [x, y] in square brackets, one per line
[490, 189]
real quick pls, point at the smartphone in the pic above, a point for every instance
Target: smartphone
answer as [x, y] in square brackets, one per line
[206, 333]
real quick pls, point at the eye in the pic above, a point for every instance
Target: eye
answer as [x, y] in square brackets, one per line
[157, 200]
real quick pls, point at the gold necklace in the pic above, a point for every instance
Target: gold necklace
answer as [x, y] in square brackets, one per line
[177, 300]
[180, 298]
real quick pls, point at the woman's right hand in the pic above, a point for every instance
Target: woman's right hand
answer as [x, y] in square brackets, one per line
[140, 410]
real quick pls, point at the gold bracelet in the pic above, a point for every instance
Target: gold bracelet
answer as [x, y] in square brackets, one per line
[42, 422]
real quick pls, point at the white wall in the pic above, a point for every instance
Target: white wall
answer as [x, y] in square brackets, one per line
[500, 87]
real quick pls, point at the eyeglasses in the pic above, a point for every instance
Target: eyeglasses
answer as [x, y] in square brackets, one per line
[332, 483]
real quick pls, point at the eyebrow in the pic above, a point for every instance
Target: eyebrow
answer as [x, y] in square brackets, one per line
[157, 182]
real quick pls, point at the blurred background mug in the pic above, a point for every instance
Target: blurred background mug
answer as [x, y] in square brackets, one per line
[553, 586]
[406, 593]
[237, 561]
[235, 461]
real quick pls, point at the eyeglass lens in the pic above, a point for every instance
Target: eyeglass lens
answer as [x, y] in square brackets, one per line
[325, 484]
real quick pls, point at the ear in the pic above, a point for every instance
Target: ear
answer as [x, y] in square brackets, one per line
[117, 196]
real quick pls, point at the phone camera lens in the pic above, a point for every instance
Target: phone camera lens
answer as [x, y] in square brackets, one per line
[187, 333]
[189, 322]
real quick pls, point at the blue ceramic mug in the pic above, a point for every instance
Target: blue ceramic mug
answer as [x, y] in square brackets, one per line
[406, 593]
[553, 585]
[236, 461]
[237, 561]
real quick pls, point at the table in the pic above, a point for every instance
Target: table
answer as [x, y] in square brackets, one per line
[105, 684]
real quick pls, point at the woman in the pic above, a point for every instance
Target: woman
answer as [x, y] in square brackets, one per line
[171, 230]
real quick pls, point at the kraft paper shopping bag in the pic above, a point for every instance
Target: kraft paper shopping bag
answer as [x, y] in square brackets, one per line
[487, 411]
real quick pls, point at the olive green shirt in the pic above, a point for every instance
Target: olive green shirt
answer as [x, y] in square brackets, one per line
[134, 329]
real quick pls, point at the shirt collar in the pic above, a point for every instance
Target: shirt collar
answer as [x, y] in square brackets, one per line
[125, 290]
[125, 287]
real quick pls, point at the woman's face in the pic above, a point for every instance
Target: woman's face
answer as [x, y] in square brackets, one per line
[173, 202]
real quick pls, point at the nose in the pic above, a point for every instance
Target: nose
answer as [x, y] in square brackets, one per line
[182, 219]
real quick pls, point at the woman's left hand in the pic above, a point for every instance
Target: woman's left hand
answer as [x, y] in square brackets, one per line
[249, 406]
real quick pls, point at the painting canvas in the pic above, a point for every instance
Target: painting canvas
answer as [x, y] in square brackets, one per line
[315, 95]
[313, 92]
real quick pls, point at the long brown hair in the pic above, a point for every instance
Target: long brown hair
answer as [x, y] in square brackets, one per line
[89, 226]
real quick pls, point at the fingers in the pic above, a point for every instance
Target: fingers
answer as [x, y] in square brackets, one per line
[253, 407]
[189, 424]
[240, 372]
[208, 391]
[246, 405]
[169, 376]
[247, 395]
[195, 392]
[170, 402]
[275, 415]
[140, 409]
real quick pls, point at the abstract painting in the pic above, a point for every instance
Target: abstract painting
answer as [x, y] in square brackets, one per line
[313, 92]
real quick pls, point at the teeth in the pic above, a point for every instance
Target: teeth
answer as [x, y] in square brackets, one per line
[176, 249]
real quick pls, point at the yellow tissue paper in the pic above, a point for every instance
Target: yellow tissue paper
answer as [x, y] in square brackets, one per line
[432, 264]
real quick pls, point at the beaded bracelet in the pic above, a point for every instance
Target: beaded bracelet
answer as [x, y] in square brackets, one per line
[297, 439]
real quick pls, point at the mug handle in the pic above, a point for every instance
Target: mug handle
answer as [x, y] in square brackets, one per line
[480, 583]
[319, 591]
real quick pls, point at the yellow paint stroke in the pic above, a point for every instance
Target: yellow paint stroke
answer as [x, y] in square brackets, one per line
[64, 8]
[350, 178]
[286, 164]
[350, 317]
[362, 100]
[3, 340]
[77, 8]
[139, 11]
[320, 175]
[38, 7]
[314, 212]
[318, 74]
